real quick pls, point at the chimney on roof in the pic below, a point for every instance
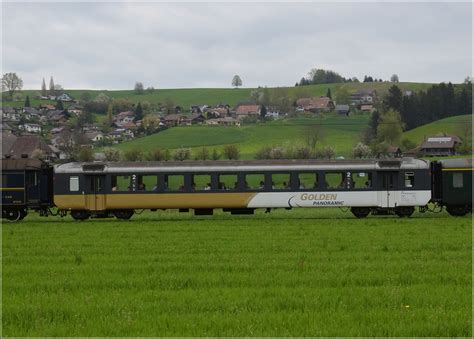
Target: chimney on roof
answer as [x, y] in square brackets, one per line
[24, 156]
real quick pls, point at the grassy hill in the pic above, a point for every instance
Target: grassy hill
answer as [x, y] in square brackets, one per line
[341, 132]
[189, 96]
[451, 125]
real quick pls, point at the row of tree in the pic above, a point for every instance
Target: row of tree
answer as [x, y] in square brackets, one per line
[321, 76]
[437, 102]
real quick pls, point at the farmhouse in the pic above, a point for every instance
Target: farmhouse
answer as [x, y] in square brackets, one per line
[94, 136]
[364, 96]
[227, 121]
[244, 110]
[193, 119]
[439, 146]
[30, 128]
[316, 105]
[28, 146]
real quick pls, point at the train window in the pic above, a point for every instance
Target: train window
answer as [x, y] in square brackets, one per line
[174, 182]
[227, 182]
[121, 183]
[307, 181]
[73, 183]
[458, 181]
[339, 180]
[254, 181]
[281, 181]
[361, 180]
[147, 183]
[12, 180]
[201, 182]
[409, 179]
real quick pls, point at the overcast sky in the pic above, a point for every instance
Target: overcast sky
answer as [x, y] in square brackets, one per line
[111, 46]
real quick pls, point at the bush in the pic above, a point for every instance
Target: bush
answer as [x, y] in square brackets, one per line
[231, 152]
[112, 154]
[215, 155]
[157, 154]
[361, 151]
[133, 155]
[264, 153]
[85, 154]
[302, 152]
[182, 154]
[202, 154]
[277, 153]
[327, 152]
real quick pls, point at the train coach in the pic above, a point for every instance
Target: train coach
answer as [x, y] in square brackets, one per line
[239, 187]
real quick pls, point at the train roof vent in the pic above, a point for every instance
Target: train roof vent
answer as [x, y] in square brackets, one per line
[389, 163]
[93, 168]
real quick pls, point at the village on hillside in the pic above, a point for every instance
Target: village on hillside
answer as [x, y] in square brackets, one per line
[61, 125]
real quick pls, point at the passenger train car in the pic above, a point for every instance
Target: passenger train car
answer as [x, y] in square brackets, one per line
[120, 188]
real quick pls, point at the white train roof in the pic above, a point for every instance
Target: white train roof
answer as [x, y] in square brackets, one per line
[237, 166]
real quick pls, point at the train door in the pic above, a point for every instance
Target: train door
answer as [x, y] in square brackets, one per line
[96, 194]
[32, 179]
[388, 185]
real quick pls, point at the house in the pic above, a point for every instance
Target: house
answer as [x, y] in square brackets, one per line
[63, 139]
[316, 105]
[173, 119]
[8, 139]
[64, 97]
[367, 108]
[343, 109]
[29, 146]
[94, 136]
[439, 146]
[227, 121]
[391, 152]
[219, 112]
[31, 113]
[364, 96]
[244, 110]
[193, 119]
[10, 114]
[47, 107]
[123, 118]
[75, 109]
[30, 128]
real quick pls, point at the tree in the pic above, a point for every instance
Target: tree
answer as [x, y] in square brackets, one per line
[133, 155]
[394, 98]
[138, 112]
[27, 102]
[393, 78]
[170, 106]
[343, 96]
[85, 97]
[44, 92]
[390, 127]
[361, 151]
[58, 89]
[11, 83]
[139, 89]
[236, 81]
[313, 135]
[59, 105]
[51, 86]
[85, 154]
[263, 112]
[182, 154]
[328, 93]
[202, 154]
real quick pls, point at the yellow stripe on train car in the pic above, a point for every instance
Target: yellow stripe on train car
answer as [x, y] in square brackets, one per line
[457, 169]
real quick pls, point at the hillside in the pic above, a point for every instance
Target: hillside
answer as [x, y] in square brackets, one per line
[212, 96]
[450, 126]
[341, 132]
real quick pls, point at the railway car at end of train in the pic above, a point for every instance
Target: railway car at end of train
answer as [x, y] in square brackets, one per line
[239, 187]
[27, 184]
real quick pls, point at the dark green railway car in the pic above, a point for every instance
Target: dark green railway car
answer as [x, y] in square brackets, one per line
[452, 185]
[26, 184]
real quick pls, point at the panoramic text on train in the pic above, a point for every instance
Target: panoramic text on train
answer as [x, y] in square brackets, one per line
[121, 189]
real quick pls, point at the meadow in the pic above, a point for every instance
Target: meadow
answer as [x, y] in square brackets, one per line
[287, 273]
[340, 132]
[185, 97]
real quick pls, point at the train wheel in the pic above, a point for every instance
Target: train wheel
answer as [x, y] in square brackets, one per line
[123, 214]
[404, 211]
[12, 215]
[360, 212]
[80, 215]
[23, 214]
[457, 211]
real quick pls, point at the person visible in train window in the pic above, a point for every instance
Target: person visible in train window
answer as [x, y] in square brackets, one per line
[207, 187]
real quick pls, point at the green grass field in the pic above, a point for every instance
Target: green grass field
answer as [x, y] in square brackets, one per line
[450, 126]
[287, 273]
[341, 132]
[186, 97]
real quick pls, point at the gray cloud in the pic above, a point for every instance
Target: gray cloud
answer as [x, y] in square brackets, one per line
[87, 45]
